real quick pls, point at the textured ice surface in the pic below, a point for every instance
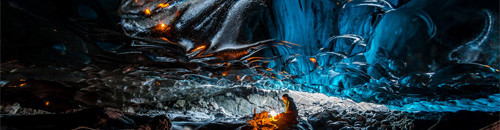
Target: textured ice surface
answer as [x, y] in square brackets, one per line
[408, 55]
[490, 103]
[398, 53]
[239, 102]
[420, 55]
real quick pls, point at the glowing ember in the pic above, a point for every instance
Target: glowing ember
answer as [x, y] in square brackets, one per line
[161, 5]
[313, 60]
[47, 103]
[147, 12]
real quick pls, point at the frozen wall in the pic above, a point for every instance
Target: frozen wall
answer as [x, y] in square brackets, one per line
[392, 52]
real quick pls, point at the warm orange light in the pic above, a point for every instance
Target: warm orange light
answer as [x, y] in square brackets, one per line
[22, 80]
[199, 48]
[47, 103]
[161, 28]
[291, 43]
[273, 114]
[252, 58]
[313, 60]
[231, 55]
[224, 73]
[22, 84]
[269, 69]
[162, 5]
[147, 12]
[177, 13]
[163, 38]
[261, 121]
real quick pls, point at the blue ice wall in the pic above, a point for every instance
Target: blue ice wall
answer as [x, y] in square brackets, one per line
[395, 52]
[307, 22]
[331, 40]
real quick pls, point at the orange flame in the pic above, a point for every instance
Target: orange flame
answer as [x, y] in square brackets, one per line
[47, 103]
[262, 121]
[273, 114]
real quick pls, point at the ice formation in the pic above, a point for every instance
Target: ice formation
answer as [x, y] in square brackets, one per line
[397, 53]
[419, 55]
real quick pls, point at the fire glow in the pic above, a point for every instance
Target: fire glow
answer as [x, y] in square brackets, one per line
[162, 5]
[273, 114]
[147, 12]
[264, 121]
[162, 28]
[313, 60]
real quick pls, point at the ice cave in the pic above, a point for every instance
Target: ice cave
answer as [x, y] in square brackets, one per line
[250, 64]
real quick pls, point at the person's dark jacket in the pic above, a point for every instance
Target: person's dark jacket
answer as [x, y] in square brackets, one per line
[290, 106]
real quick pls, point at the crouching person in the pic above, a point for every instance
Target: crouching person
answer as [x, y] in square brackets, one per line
[289, 118]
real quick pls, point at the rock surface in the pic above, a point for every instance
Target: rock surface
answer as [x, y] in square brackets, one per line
[94, 118]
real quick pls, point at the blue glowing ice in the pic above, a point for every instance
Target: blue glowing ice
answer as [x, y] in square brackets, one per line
[391, 52]
[413, 55]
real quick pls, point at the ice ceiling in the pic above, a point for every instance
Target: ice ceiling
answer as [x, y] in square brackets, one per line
[407, 54]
